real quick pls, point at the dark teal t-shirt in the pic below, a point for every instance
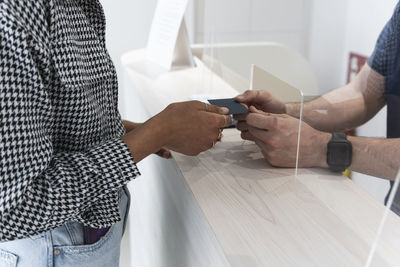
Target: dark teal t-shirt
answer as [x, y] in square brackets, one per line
[386, 61]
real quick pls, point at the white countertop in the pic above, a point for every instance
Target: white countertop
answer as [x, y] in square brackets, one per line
[264, 216]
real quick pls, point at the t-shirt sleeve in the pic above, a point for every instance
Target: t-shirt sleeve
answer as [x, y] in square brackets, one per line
[386, 46]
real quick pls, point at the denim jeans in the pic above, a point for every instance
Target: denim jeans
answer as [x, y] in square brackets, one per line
[64, 246]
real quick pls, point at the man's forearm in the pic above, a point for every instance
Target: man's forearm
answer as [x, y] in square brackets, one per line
[325, 115]
[346, 107]
[376, 157]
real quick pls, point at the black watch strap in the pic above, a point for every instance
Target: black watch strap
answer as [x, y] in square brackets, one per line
[340, 152]
[339, 137]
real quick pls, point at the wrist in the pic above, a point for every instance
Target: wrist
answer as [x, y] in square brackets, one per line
[322, 146]
[292, 109]
[146, 139]
[340, 152]
[130, 126]
[161, 128]
[286, 109]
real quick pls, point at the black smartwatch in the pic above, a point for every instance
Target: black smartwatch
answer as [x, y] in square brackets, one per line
[340, 152]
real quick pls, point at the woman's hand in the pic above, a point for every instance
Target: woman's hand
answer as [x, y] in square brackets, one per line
[130, 126]
[193, 127]
[188, 128]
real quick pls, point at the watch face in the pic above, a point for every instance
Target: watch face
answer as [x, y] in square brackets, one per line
[340, 154]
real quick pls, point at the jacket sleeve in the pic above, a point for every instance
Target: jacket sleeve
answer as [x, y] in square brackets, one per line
[39, 188]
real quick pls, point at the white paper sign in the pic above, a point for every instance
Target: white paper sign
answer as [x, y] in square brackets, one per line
[167, 24]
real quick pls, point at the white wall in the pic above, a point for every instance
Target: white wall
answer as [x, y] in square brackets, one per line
[129, 21]
[366, 18]
[327, 42]
[323, 30]
[338, 27]
[128, 25]
[283, 21]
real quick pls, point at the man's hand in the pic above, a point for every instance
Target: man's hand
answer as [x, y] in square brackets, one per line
[262, 100]
[130, 126]
[277, 135]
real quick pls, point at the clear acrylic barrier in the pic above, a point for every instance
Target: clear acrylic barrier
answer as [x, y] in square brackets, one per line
[230, 63]
[261, 80]
[338, 222]
[385, 248]
[372, 231]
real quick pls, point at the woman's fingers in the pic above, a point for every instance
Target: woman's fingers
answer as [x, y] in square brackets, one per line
[164, 153]
[195, 126]
[204, 107]
[214, 109]
[221, 121]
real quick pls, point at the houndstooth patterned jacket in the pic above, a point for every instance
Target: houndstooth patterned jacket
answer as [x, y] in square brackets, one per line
[61, 156]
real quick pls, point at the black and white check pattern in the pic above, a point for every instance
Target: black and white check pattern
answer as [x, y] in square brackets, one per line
[61, 156]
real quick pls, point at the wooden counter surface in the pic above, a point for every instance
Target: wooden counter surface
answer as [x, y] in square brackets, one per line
[264, 216]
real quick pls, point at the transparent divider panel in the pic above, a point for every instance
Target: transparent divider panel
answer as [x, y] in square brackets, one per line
[385, 249]
[282, 132]
[367, 232]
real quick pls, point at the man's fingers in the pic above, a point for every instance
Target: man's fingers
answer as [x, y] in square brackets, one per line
[261, 144]
[242, 126]
[253, 109]
[262, 121]
[266, 140]
[247, 136]
[240, 117]
[258, 133]
[247, 97]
